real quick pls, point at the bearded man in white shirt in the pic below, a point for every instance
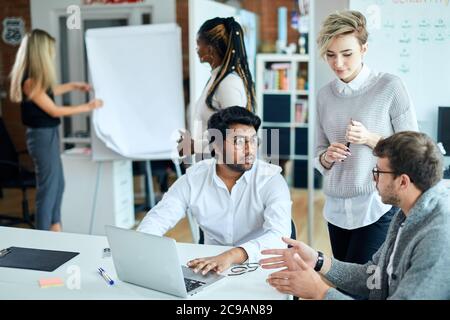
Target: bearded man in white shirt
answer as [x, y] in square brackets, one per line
[236, 199]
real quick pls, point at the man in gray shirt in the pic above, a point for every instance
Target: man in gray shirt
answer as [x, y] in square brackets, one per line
[413, 262]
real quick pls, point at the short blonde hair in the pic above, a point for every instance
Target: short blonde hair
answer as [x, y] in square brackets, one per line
[342, 23]
[34, 60]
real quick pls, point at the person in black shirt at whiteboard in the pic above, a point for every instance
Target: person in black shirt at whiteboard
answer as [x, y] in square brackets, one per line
[33, 84]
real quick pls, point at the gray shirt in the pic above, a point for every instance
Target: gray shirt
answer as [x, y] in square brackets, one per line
[421, 264]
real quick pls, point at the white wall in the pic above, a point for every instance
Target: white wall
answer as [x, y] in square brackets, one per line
[41, 10]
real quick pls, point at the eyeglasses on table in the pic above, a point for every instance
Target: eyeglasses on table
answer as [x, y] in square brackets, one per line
[243, 268]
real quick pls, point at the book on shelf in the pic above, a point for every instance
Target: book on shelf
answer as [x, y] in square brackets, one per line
[288, 174]
[277, 77]
[301, 111]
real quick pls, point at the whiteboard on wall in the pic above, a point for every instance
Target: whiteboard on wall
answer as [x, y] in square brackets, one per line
[411, 39]
[137, 72]
[199, 12]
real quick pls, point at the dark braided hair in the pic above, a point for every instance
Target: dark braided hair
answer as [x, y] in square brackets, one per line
[227, 37]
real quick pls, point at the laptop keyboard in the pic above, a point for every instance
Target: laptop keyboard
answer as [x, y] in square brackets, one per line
[192, 284]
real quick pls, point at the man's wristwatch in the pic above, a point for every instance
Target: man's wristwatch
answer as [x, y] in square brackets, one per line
[319, 262]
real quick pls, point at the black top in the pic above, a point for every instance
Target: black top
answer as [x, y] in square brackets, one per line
[34, 117]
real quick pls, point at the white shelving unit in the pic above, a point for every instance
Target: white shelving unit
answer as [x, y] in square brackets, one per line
[292, 92]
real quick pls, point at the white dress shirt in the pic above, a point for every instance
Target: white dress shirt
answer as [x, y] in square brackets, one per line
[253, 216]
[362, 80]
[229, 93]
[361, 211]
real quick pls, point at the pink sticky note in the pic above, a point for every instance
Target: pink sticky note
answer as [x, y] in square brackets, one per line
[51, 282]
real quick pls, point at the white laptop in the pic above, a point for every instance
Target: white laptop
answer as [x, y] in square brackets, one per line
[152, 262]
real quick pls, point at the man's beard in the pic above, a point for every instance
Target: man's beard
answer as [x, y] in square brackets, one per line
[390, 197]
[238, 167]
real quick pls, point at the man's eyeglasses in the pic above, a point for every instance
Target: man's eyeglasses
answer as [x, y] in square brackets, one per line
[243, 268]
[240, 141]
[376, 173]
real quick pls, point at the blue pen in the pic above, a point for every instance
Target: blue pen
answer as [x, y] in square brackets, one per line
[106, 276]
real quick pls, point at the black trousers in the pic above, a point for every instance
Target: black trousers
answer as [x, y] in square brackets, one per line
[359, 245]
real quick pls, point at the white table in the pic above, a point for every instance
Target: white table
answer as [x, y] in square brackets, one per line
[23, 284]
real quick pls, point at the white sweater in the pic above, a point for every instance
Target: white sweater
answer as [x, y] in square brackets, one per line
[383, 107]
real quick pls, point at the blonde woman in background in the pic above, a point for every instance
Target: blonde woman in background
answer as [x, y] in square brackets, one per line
[354, 111]
[33, 85]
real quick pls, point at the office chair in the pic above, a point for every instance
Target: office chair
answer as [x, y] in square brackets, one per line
[293, 233]
[14, 176]
[157, 168]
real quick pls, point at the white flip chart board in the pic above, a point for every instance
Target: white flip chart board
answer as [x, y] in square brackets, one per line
[137, 72]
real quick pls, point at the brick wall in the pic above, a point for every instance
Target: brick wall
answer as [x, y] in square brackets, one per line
[267, 10]
[11, 111]
[183, 22]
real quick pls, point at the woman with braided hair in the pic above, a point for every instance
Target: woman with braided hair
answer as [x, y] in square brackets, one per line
[220, 43]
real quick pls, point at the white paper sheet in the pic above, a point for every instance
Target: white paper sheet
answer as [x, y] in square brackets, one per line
[137, 72]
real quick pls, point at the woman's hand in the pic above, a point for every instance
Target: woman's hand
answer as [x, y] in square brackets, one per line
[357, 133]
[336, 152]
[94, 104]
[81, 86]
